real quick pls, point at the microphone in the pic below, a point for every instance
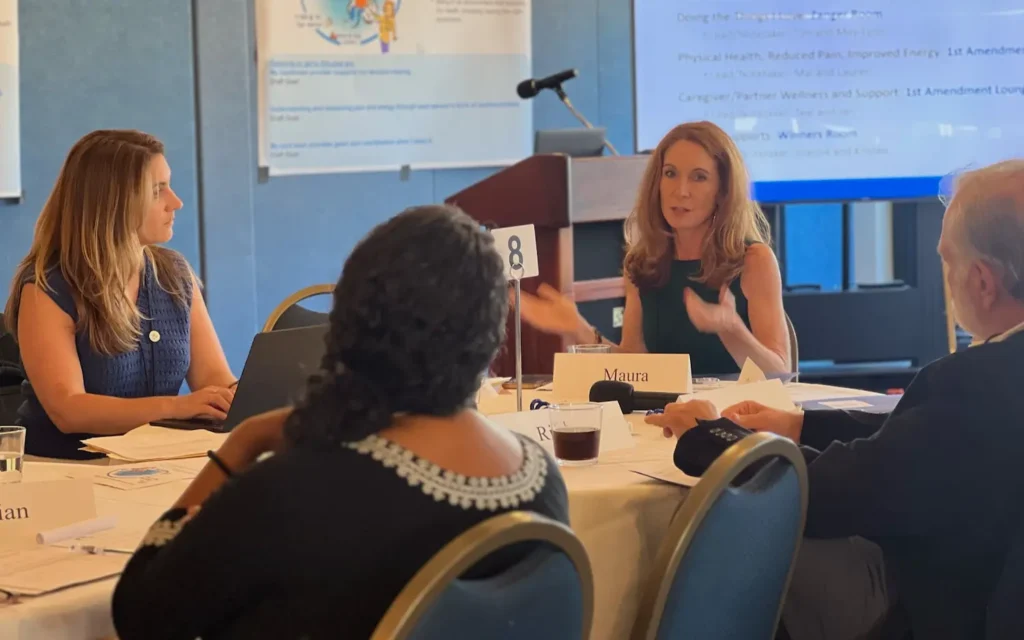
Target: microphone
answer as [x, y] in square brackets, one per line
[629, 399]
[529, 88]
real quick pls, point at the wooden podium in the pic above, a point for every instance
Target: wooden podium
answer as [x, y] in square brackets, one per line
[553, 193]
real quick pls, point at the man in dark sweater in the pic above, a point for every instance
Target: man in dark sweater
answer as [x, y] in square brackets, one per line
[936, 485]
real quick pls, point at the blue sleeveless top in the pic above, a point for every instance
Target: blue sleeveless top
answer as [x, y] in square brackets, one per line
[668, 328]
[156, 367]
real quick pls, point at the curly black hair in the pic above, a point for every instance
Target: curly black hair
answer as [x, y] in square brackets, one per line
[418, 316]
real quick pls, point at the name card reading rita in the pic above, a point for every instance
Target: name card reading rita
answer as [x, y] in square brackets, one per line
[575, 373]
[27, 508]
[615, 432]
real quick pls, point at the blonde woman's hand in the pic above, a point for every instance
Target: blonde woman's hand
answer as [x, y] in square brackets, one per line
[552, 312]
[710, 317]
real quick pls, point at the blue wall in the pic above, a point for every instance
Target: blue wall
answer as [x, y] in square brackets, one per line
[125, 63]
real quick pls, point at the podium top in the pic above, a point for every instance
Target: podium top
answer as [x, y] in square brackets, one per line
[554, 191]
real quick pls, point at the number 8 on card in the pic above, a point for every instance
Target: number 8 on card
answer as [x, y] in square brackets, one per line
[518, 249]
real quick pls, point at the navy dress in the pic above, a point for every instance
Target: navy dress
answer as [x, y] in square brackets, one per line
[668, 328]
[156, 367]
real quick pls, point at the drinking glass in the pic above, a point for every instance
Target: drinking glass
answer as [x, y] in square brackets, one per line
[576, 432]
[12, 453]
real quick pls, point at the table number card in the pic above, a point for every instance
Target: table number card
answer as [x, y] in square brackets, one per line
[518, 248]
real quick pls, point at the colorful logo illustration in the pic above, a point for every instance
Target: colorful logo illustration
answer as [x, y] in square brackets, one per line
[358, 21]
[137, 472]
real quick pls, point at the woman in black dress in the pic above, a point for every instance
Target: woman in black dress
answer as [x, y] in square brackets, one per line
[382, 464]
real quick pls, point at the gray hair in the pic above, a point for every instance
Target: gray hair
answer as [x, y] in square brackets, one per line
[988, 206]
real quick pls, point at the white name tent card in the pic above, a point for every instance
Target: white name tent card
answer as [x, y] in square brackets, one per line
[575, 373]
[615, 432]
[28, 508]
[751, 373]
[518, 248]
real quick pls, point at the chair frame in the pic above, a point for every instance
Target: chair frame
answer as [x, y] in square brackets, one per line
[794, 347]
[462, 553]
[292, 300]
[695, 508]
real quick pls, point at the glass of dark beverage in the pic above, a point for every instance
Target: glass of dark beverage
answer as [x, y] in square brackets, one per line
[576, 432]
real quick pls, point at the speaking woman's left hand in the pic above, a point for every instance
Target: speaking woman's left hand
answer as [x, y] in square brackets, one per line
[709, 317]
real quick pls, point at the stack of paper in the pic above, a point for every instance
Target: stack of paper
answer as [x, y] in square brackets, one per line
[43, 569]
[156, 443]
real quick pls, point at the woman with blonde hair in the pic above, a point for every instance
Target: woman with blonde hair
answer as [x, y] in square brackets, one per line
[699, 275]
[109, 324]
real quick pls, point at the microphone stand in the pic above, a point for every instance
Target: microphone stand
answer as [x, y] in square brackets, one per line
[579, 116]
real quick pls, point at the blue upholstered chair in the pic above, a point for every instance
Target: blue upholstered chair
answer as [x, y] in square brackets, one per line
[729, 553]
[548, 595]
[291, 315]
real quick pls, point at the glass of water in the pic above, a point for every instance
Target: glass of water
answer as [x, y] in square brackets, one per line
[590, 348]
[12, 453]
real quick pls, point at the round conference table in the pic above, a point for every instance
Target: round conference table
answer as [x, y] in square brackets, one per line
[620, 517]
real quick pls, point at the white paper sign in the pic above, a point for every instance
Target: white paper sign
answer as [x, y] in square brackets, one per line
[30, 507]
[615, 432]
[10, 127]
[751, 373]
[518, 248]
[575, 373]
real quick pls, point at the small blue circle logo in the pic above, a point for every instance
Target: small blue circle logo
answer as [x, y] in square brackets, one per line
[138, 472]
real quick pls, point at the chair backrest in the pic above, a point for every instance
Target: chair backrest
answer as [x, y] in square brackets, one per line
[729, 553]
[1003, 618]
[794, 346]
[547, 595]
[290, 315]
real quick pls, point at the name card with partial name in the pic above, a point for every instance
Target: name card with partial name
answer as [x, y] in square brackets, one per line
[536, 425]
[28, 508]
[575, 373]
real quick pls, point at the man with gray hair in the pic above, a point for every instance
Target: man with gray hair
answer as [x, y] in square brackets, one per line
[916, 512]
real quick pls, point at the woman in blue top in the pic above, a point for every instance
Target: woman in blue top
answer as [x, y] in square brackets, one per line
[699, 276]
[109, 324]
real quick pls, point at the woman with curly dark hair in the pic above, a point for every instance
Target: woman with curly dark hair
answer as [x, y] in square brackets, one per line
[382, 464]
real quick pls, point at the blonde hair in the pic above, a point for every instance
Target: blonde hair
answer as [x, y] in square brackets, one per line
[989, 219]
[737, 221]
[88, 229]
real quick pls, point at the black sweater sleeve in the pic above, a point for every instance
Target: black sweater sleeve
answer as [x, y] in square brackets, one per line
[822, 428]
[194, 571]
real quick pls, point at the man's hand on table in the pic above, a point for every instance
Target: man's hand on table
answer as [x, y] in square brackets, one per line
[680, 417]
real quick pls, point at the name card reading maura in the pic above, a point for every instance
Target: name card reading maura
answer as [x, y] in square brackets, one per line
[615, 433]
[575, 373]
[27, 508]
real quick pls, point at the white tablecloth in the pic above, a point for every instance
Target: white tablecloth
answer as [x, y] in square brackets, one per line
[620, 517]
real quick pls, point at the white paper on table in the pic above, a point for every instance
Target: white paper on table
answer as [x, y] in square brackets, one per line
[751, 373]
[39, 570]
[770, 393]
[148, 443]
[665, 472]
[846, 404]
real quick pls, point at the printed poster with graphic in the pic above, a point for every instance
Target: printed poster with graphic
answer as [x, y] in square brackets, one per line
[10, 128]
[366, 85]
